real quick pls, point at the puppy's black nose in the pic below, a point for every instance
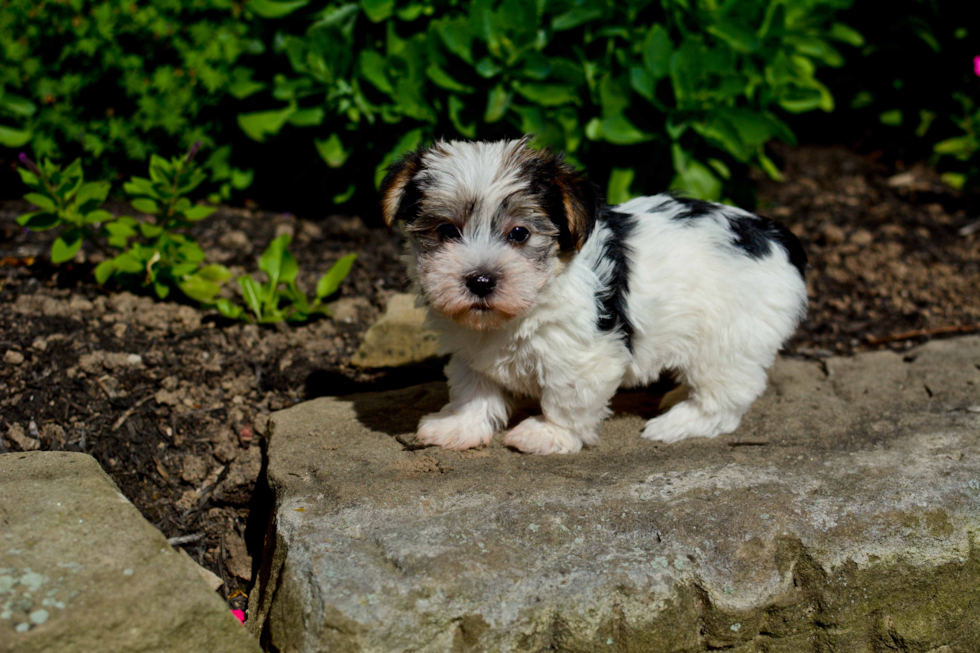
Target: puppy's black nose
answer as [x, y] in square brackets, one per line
[481, 284]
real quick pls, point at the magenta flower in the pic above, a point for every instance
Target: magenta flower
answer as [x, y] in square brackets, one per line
[193, 151]
[976, 65]
[27, 163]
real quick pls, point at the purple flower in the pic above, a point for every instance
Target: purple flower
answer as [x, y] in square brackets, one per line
[193, 151]
[27, 163]
[976, 65]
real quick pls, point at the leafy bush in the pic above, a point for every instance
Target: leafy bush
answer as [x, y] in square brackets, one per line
[963, 148]
[701, 84]
[116, 80]
[158, 253]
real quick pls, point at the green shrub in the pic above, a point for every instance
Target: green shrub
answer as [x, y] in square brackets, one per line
[114, 80]
[622, 87]
[157, 252]
[702, 84]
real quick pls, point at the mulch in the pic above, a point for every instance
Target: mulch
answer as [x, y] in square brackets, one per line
[174, 402]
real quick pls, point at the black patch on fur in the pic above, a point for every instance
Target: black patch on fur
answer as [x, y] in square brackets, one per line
[755, 235]
[694, 208]
[614, 315]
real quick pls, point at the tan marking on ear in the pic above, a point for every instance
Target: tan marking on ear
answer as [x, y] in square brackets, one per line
[576, 214]
[393, 190]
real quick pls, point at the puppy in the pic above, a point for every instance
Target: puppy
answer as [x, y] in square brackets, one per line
[538, 289]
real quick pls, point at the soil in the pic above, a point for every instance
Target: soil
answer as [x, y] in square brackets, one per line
[174, 401]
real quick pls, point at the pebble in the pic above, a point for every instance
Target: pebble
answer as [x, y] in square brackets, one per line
[13, 357]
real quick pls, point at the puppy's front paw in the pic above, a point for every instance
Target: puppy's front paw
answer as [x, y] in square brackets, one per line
[686, 420]
[539, 436]
[455, 431]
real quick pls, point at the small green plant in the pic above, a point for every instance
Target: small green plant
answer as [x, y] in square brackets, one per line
[65, 202]
[279, 297]
[154, 253]
[157, 252]
[964, 147]
[164, 254]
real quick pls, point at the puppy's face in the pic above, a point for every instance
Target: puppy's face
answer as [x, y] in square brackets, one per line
[488, 224]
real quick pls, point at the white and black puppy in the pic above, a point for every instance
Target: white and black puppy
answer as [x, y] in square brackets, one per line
[537, 289]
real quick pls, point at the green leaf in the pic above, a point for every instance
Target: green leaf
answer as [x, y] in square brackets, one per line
[146, 206]
[63, 250]
[372, 67]
[409, 141]
[260, 124]
[548, 95]
[618, 190]
[150, 230]
[340, 198]
[498, 101]
[199, 212]
[455, 106]
[289, 269]
[142, 186]
[849, 35]
[442, 79]
[307, 117]
[99, 215]
[128, 262]
[892, 118]
[378, 10]
[618, 130]
[228, 308]
[575, 17]
[332, 151]
[42, 202]
[161, 289]
[739, 37]
[18, 105]
[330, 282]
[103, 271]
[693, 177]
[271, 9]
[199, 288]
[214, 273]
[160, 169]
[10, 137]
[39, 221]
[29, 178]
[657, 51]
[250, 293]
[962, 147]
[242, 84]
[93, 191]
[271, 260]
[811, 46]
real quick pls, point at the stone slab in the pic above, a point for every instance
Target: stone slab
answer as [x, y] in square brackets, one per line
[843, 515]
[82, 571]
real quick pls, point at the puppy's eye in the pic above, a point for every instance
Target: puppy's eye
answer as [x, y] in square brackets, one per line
[448, 231]
[519, 234]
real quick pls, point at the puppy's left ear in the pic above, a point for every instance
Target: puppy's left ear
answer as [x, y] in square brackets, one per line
[400, 193]
[570, 199]
[581, 202]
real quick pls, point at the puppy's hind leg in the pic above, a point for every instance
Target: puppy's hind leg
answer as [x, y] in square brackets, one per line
[477, 408]
[719, 397]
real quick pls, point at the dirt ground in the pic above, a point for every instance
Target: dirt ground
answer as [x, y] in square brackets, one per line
[174, 402]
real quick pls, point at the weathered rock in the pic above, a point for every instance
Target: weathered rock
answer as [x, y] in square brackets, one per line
[843, 515]
[81, 570]
[399, 337]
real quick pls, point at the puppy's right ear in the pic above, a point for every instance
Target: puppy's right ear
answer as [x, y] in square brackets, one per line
[400, 192]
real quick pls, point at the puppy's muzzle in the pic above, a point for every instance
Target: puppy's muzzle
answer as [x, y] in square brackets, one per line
[481, 284]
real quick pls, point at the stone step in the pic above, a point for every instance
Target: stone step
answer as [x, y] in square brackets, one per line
[843, 515]
[81, 570]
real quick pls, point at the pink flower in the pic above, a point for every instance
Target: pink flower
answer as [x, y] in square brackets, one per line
[976, 65]
[239, 614]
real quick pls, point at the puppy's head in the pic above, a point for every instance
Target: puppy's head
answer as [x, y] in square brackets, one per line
[488, 224]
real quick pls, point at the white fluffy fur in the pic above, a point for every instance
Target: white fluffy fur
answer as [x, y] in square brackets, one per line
[698, 304]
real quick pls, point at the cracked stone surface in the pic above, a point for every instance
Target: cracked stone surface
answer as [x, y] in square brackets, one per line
[842, 515]
[82, 571]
